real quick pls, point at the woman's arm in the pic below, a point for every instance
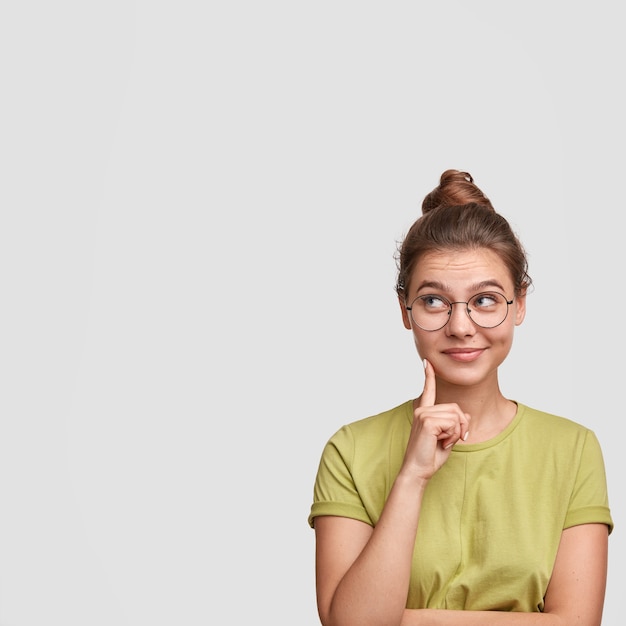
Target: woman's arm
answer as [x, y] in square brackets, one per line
[362, 573]
[575, 595]
[577, 587]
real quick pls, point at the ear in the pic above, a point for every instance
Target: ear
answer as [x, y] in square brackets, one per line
[405, 314]
[520, 309]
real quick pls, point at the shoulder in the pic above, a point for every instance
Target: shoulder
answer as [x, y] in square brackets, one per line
[380, 424]
[554, 436]
[567, 457]
[548, 423]
[363, 440]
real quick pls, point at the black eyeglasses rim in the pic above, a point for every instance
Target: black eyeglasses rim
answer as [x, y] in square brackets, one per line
[467, 310]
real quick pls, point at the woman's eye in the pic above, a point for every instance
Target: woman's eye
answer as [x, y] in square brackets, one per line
[434, 302]
[485, 300]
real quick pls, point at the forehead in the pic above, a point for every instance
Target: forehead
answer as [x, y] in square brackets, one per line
[461, 270]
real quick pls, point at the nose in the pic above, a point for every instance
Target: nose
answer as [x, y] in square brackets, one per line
[460, 323]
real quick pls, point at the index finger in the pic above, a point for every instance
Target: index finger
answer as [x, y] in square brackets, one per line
[430, 386]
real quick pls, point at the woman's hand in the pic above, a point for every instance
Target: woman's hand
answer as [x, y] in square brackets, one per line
[436, 428]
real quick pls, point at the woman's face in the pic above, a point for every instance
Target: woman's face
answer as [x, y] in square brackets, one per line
[462, 353]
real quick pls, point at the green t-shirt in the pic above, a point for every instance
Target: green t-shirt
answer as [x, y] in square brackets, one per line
[492, 516]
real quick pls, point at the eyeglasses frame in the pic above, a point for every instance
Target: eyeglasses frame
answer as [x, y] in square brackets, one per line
[467, 310]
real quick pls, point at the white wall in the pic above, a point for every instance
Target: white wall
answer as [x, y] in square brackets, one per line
[200, 203]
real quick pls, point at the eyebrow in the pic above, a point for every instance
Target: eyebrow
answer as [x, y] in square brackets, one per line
[483, 284]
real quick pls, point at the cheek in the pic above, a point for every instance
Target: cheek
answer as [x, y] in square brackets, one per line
[422, 341]
[505, 333]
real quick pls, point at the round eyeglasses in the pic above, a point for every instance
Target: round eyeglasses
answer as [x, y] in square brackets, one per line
[432, 312]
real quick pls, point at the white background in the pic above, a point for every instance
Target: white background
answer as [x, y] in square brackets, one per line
[200, 206]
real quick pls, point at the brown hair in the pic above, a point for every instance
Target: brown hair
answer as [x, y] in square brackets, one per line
[457, 215]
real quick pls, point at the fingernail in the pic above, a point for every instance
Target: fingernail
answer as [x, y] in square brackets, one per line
[465, 436]
[424, 363]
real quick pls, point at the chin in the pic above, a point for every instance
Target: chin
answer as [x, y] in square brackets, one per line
[467, 374]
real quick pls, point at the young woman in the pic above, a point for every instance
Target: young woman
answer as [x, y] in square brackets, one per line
[461, 506]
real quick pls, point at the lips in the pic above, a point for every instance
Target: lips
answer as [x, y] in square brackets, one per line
[464, 355]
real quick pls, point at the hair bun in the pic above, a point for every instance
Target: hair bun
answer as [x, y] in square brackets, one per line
[450, 175]
[455, 188]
